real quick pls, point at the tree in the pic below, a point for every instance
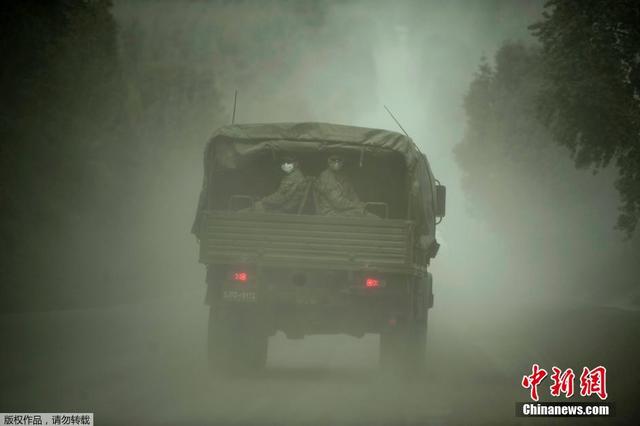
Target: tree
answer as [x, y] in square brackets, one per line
[590, 61]
[554, 218]
[64, 156]
[508, 156]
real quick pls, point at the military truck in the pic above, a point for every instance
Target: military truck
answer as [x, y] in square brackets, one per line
[304, 273]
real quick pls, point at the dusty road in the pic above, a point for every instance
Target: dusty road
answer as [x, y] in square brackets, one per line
[145, 364]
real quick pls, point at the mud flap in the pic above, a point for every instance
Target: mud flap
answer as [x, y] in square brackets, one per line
[424, 296]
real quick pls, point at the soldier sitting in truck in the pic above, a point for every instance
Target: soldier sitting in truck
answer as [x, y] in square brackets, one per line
[335, 193]
[289, 195]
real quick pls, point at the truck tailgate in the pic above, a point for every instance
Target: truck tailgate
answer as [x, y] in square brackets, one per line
[335, 242]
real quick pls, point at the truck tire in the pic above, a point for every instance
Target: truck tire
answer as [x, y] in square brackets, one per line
[403, 348]
[403, 344]
[235, 343]
[417, 347]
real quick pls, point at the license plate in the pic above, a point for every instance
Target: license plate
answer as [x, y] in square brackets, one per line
[239, 296]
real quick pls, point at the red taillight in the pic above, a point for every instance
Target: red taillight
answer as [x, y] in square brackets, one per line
[372, 282]
[240, 276]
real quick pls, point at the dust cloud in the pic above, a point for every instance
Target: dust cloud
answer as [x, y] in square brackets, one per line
[502, 302]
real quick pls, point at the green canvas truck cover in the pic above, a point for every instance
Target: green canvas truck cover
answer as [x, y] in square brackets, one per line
[230, 143]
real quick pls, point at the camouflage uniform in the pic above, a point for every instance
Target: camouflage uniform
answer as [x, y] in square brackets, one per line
[336, 195]
[288, 196]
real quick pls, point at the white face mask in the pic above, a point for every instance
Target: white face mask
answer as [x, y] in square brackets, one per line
[287, 167]
[336, 165]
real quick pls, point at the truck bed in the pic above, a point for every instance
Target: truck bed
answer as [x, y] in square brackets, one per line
[307, 241]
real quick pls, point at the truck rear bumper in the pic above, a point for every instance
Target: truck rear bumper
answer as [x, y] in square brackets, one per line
[304, 302]
[301, 311]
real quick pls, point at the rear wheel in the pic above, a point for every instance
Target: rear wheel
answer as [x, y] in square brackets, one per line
[403, 348]
[235, 343]
[417, 347]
